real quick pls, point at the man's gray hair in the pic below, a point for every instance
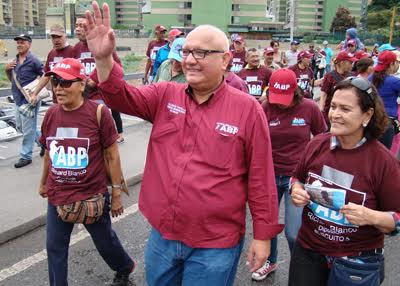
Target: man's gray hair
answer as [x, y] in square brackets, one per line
[218, 31]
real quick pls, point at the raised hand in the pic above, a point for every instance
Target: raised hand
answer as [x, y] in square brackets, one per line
[99, 35]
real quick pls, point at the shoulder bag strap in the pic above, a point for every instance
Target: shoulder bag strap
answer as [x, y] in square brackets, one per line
[98, 114]
[23, 91]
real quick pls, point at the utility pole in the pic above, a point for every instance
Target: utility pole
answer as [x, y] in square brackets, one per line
[291, 15]
[392, 24]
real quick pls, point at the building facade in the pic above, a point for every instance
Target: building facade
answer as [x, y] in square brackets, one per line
[242, 16]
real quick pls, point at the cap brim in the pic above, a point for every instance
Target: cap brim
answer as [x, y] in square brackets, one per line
[56, 34]
[63, 75]
[379, 68]
[279, 98]
[21, 38]
[175, 57]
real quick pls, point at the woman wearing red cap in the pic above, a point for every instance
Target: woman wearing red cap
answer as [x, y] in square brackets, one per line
[77, 133]
[389, 89]
[293, 120]
[348, 184]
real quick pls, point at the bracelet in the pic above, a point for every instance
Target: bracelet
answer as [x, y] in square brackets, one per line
[116, 187]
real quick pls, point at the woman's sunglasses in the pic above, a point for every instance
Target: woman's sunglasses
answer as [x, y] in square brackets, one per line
[55, 81]
[361, 84]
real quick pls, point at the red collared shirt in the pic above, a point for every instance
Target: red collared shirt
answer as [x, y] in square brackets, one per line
[204, 162]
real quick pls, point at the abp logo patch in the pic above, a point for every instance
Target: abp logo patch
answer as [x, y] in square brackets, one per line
[68, 153]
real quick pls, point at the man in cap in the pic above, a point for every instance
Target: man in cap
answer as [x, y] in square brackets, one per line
[208, 154]
[269, 59]
[152, 49]
[163, 52]
[21, 71]
[256, 75]
[304, 73]
[343, 66]
[328, 54]
[290, 56]
[238, 55]
[171, 69]
[61, 49]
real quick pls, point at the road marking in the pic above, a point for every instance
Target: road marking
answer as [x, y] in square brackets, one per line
[2, 158]
[42, 255]
[2, 146]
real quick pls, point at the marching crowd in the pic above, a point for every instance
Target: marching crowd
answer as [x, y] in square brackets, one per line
[231, 128]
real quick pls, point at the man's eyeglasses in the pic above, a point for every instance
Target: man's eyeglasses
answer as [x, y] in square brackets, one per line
[198, 54]
[362, 84]
[55, 81]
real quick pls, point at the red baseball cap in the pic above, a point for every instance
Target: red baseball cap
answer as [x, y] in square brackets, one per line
[304, 54]
[345, 56]
[159, 28]
[68, 69]
[239, 39]
[385, 59]
[174, 33]
[351, 42]
[268, 50]
[282, 85]
[361, 55]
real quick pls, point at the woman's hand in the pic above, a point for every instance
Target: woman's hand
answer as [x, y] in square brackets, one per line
[42, 191]
[358, 214]
[116, 205]
[300, 197]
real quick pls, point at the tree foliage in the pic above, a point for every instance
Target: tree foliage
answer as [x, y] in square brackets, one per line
[342, 20]
[377, 5]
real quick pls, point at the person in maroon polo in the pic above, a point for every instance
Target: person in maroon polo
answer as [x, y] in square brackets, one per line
[362, 180]
[151, 51]
[61, 49]
[219, 157]
[342, 69]
[292, 120]
[238, 55]
[254, 74]
[304, 73]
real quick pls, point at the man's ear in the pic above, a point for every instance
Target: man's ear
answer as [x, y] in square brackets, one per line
[226, 58]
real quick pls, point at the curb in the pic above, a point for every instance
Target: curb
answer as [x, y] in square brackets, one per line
[41, 220]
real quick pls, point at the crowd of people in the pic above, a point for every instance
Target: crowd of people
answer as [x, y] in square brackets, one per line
[231, 128]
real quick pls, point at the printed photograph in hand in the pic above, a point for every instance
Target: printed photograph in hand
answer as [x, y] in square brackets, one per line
[328, 197]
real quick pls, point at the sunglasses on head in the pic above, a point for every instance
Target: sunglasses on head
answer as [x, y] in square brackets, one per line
[361, 84]
[55, 81]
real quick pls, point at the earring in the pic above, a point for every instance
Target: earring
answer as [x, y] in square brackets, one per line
[365, 124]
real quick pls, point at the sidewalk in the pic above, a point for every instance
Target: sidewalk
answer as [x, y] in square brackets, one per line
[23, 210]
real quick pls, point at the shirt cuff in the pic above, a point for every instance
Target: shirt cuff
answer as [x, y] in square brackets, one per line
[115, 81]
[266, 232]
[396, 217]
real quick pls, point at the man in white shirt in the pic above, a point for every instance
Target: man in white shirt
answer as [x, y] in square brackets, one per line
[290, 56]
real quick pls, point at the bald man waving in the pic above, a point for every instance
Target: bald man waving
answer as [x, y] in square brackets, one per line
[209, 153]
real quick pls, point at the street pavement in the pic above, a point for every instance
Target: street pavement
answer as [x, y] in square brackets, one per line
[23, 261]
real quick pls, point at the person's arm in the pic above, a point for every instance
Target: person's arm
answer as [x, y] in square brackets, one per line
[317, 122]
[8, 69]
[146, 71]
[283, 58]
[116, 92]
[262, 194]
[322, 99]
[43, 81]
[45, 172]
[114, 162]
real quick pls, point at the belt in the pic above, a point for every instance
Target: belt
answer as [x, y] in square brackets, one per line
[371, 252]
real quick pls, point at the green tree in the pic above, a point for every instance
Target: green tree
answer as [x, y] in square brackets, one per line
[342, 20]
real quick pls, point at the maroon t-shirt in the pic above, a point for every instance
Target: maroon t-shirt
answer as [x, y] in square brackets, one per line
[75, 143]
[82, 52]
[367, 175]
[328, 85]
[291, 130]
[256, 79]
[238, 61]
[56, 56]
[235, 81]
[304, 79]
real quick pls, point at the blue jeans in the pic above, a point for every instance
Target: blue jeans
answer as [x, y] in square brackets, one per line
[58, 234]
[28, 127]
[292, 217]
[172, 263]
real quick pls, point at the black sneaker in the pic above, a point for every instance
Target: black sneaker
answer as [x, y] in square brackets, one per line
[120, 280]
[10, 99]
[42, 151]
[22, 163]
